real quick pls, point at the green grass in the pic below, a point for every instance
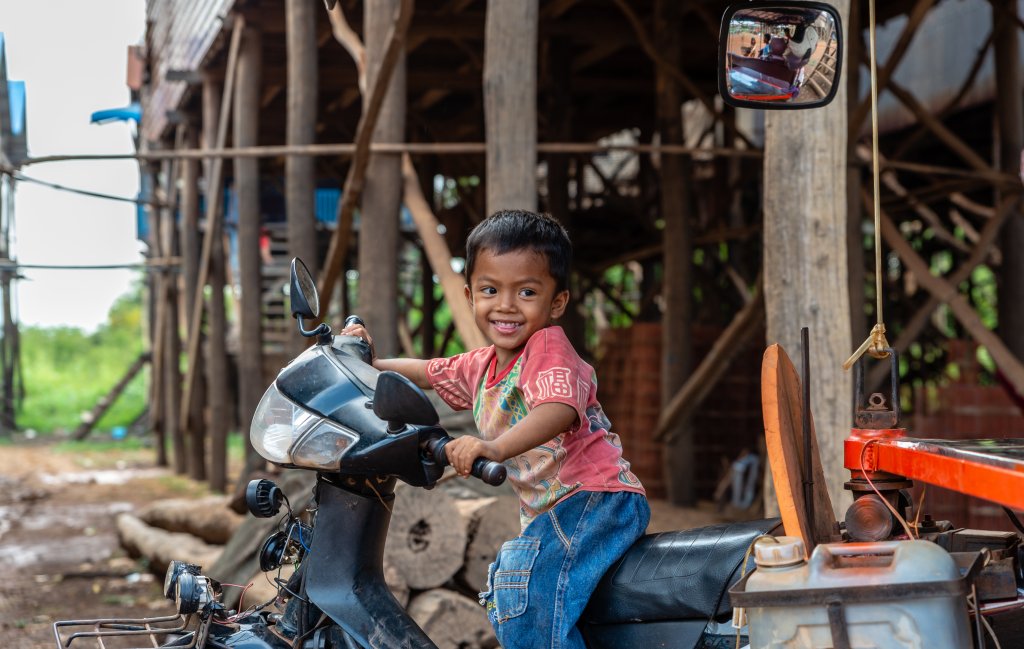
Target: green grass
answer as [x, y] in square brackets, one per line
[66, 371]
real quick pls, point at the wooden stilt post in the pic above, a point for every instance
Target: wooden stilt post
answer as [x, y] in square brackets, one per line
[301, 127]
[216, 360]
[510, 104]
[1011, 140]
[172, 337]
[157, 322]
[382, 195]
[677, 258]
[195, 426]
[247, 189]
[214, 203]
[805, 231]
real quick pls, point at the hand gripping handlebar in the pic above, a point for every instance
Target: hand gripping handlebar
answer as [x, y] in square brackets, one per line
[493, 473]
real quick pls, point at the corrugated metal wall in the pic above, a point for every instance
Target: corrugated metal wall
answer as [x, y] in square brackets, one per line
[180, 36]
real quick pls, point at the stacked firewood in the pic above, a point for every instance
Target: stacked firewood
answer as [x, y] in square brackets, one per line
[436, 557]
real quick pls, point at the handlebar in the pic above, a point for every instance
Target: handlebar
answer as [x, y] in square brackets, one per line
[491, 472]
[354, 320]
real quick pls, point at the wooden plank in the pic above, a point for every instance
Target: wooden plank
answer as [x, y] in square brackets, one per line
[101, 407]
[782, 408]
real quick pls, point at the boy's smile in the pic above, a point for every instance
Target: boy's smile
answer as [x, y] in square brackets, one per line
[513, 296]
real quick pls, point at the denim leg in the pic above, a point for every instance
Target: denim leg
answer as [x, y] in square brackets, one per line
[543, 579]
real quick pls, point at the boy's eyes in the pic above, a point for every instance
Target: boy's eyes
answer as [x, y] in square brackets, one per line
[523, 292]
[527, 292]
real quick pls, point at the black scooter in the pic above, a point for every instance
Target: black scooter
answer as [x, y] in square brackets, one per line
[361, 430]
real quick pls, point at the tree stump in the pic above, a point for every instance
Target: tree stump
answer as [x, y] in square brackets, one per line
[427, 539]
[489, 523]
[160, 547]
[452, 621]
[208, 518]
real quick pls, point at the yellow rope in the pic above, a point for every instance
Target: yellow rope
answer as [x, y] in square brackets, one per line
[876, 342]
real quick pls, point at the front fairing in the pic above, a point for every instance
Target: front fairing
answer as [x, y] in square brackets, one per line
[332, 383]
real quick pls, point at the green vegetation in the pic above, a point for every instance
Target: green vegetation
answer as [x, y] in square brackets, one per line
[66, 371]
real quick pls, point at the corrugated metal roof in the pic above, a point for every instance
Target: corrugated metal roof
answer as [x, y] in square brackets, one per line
[181, 34]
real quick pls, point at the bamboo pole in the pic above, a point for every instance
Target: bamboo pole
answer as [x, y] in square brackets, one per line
[194, 424]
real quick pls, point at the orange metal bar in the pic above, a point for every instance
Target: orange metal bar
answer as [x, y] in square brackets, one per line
[889, 452]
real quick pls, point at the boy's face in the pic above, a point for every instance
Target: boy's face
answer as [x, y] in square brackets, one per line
[513, 296]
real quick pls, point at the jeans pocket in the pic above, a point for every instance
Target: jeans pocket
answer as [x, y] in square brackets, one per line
[512, 578]
[489, 588]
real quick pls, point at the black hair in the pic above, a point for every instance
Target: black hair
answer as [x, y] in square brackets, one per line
[511, 230]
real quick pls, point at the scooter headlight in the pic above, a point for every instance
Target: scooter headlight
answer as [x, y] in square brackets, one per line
[276, 423]
[323, 446]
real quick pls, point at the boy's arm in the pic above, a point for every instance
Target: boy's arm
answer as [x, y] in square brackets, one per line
[541, 425]
[413, 369]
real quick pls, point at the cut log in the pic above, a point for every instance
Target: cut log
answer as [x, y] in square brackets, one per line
[489, 523]
[207, 518]
[452, 621]
[427, 537]
[160, 547]
[396, 584]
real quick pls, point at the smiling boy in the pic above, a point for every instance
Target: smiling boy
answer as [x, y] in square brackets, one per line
[535, 404]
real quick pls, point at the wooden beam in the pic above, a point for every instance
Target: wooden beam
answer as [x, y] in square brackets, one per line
[213, 215]
[357, 170]
[110, 397]
[961, 309]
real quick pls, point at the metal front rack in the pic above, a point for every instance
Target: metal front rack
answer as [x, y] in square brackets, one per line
[151, 631]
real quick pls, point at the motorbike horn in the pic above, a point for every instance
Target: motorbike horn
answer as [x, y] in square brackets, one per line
[263, 498]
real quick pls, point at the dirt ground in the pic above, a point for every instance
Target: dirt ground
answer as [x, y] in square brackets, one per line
[59, 543]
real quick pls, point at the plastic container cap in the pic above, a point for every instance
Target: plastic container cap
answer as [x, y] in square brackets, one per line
[788, 551]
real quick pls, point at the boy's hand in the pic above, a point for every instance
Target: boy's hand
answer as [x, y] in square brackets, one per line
[463, 451]
[359, 331]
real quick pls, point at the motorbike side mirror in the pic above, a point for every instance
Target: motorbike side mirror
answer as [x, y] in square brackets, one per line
[305, 299]
[780, 54]
[399, 401]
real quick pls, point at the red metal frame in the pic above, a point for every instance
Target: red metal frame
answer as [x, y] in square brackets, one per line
[887, 453]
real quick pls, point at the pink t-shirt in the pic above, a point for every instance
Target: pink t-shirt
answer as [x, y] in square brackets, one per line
[587, 456]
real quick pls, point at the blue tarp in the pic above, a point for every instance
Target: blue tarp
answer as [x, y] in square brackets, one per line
[16, 97]
[132, 111]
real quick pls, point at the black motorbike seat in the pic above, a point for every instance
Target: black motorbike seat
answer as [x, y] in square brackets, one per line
[675, 575]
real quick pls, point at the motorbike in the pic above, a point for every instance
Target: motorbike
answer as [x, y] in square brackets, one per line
[362, 431]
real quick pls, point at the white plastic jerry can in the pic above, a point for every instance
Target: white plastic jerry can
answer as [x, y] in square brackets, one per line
[885, 595]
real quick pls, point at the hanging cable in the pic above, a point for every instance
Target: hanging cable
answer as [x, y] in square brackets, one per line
[83, 192]
[876, 342]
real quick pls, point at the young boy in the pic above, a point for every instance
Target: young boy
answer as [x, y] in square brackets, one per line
[534, 402]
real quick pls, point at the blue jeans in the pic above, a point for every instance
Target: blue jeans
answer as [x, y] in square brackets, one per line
[542, 580]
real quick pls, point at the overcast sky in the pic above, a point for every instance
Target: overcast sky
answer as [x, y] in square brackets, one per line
[72, 56]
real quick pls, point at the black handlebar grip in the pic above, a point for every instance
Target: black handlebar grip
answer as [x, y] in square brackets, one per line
[354, 320]
[491, 472]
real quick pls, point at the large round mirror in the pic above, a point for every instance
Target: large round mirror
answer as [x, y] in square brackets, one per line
[780, 55]
[304, 297]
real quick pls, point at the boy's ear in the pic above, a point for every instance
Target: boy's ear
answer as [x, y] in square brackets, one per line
[558, 304]
[469, 294]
